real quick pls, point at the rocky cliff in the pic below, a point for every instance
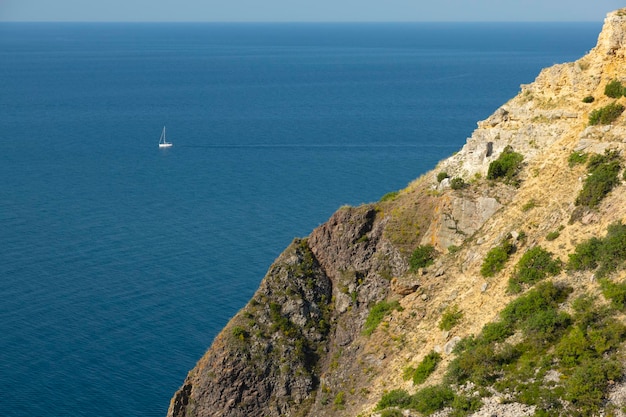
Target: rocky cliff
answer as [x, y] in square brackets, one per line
[386, 308]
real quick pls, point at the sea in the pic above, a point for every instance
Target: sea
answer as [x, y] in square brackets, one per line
[120, 261]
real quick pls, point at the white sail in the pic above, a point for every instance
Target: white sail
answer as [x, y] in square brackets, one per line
[163, 143]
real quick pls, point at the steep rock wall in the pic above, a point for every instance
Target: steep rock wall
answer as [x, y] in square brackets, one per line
[274, 355]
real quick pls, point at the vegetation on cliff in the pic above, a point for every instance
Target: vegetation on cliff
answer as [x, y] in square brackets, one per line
[507, 166]
[537, 354]
[602, 177]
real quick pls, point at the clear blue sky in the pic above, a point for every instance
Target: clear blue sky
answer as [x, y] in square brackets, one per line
[306, 10]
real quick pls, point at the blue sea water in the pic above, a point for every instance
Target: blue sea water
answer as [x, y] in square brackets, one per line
[121, 261]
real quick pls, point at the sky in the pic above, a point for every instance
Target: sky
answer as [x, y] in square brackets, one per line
[306, 10]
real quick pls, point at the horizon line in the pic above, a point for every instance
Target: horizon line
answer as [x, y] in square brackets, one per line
[299, 21]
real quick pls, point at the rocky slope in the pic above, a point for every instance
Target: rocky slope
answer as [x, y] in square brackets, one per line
[307, 343]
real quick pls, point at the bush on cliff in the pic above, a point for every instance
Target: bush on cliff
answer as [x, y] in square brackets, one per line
[394, 398]
[496, 259]
[606, 254]
[377, 314]
[426, 367]
[614, 89]
[422, 256]
[602, 178]
[576, 158]
[457, 183]
[606, 115]
[507, 166]
[450, 318]
[534, 265]
[425, 401]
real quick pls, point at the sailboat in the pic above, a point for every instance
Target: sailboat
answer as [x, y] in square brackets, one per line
[163, 143]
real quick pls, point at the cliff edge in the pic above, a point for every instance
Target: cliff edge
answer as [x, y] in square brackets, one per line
[492, 285]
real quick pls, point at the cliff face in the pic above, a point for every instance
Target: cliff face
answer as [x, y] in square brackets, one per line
[276, 355]
[308, 344]
[266, 357]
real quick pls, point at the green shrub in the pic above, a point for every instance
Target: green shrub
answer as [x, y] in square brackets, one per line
[586, 255]
[422, 257]
[584, 348]
[463, 405]
[615, 292]
[608, 336]
[442, 176]
[431, 399]
[477, 361]
[390, 196]
[240, 333]
[546, 325]
[589, 99]
[544, 296]
[576, 158]
[450, 318]
[457, 183]
[602, 170]
[596, 160]
[496, 259]
[614, 89]
[395, 398]
[496, 332]
[426, 401]
[377, 314]
[535, 265]
[587, 385]
[608, 253]
[507, 166]
[426, 367]
[585, 313]
[606, 115]
[598, 184]
[553, 235]
[573, 348]
[612, 252]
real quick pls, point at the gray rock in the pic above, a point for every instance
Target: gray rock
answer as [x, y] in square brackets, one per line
[449, 346]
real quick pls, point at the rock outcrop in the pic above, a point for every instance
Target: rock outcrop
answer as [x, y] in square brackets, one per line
[299, 347]
[265, 360]
[274, 356]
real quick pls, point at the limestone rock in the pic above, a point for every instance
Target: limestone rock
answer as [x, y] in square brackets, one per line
[404, 285]
[449, 346]
[460, 218]
[612, 38]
